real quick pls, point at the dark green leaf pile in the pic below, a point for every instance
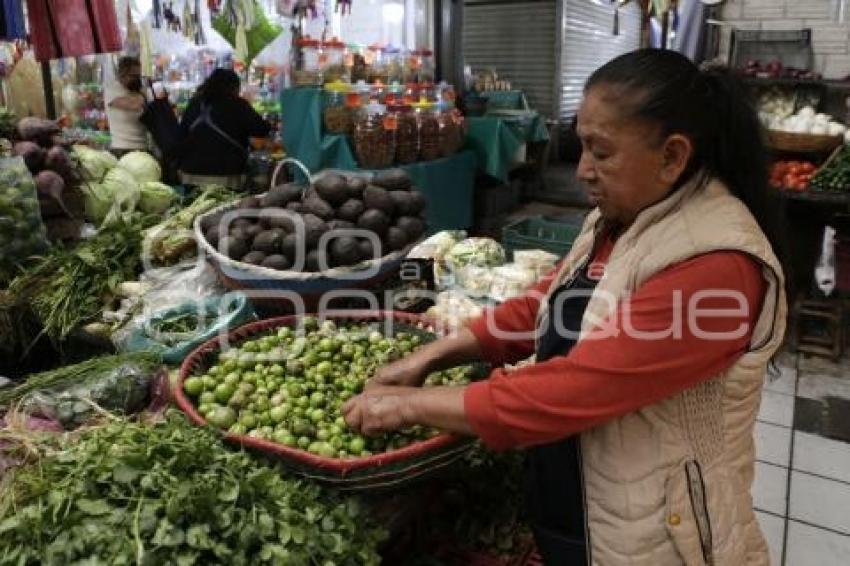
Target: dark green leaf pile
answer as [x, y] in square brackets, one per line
[171, 493]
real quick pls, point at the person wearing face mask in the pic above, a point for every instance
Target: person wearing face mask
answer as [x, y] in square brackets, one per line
[649, 342]
[124, 105]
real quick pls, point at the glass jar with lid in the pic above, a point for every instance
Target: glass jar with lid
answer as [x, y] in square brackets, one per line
[429, 131]
[410, 94]
[394, 65]
[334, 58]
[425, 71]
[338, 112]
[309, 73]
[355, 61]
[427, 92]
[407, 134]
[374, 137]
[377, 72]
[452, 129]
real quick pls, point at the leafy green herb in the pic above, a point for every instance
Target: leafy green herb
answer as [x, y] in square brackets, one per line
[171, 493]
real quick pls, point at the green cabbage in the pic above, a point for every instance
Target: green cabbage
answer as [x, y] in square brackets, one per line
[93, 163]
[117, 196]
[155, 197]
[98, 201]
[142, 166]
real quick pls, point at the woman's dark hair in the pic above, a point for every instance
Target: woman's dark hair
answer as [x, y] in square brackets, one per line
[713, 110]
[221, 84]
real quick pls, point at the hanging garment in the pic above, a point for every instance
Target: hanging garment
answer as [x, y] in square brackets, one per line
[12, 25]
[73, 28]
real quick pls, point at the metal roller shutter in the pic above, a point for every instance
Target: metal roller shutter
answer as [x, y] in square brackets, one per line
[519, 40]
[589, 42]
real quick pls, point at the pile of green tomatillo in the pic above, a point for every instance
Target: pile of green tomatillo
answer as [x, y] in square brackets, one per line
[288, 386]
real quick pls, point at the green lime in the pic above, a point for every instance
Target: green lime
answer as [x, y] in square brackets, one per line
[193, 386]
[223, 392]
[222, 417]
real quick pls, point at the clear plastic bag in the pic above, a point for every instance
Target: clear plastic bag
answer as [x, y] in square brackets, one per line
[22, 232]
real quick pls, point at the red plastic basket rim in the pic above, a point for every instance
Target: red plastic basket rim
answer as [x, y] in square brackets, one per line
[340, 465]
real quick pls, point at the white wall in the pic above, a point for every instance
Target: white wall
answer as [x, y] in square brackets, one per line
[831, 39]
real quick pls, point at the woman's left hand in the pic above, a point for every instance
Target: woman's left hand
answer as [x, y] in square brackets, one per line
[382, 408]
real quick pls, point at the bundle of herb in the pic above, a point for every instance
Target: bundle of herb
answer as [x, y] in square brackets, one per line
[171, 493]
[66, 287]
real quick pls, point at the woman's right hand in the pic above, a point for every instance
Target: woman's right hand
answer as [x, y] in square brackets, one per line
[410, 372]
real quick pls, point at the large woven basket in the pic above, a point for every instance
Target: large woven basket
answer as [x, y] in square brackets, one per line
[804, 143]
[310, 287]
[386, 470]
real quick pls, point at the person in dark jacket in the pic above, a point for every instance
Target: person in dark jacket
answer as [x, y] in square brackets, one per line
[217, 128]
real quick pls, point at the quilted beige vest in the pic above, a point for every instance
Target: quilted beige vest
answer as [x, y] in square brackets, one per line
[669, 484]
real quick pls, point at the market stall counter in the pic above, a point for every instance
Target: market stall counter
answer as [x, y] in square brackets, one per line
[447, 183]
[499, 139]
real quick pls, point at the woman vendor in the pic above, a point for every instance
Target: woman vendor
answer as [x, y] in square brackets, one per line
[650, 341]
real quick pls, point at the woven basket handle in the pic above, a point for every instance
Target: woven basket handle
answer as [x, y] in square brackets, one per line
[294, 162]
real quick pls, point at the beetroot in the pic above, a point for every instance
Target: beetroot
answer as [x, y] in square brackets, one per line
[58, 160]
[37, 129]
[33, 155]
[50, 184]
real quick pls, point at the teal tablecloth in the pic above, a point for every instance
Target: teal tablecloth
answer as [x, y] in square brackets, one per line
[496, 140]
[446, 183]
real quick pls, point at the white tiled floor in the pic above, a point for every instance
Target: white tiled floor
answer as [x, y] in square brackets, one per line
[773, 444]
[810, 546]
[770, 491]
[822, 456]
[773, 528]
[820, 501]
[776, 408]
[816, 508]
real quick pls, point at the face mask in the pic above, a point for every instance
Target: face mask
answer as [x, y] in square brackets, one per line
[134, 83]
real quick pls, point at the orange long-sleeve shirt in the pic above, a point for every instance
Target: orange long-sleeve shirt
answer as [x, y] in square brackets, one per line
[603, 378]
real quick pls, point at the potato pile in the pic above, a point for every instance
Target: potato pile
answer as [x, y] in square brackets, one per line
[264, 232]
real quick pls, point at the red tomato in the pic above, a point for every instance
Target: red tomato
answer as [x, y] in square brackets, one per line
[807, 167]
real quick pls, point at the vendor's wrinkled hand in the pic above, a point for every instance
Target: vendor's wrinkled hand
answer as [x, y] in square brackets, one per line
[380, 409]
[406, 372]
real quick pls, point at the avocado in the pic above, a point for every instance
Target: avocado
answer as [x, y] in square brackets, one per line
[248, 203]
[396, 238]
[413, 227]
[268, 241]
[289, 192]
[350, 210]
[341, 225]
[318, 207]
[277, 218]
[311, 262]
[211, 220]
[367, 250]
[314, 227]
[233, 247]
[333, 189]
[402, 202]
[376, 197]
[252, 231]
[289, 245]
[393, 179]
[356, 186]
[239, 232]
[344, 251]
[417, 203]
[296, 207]
[273, 199]
[276, 261]
[254, 258]
[375, 221]
[212, 235]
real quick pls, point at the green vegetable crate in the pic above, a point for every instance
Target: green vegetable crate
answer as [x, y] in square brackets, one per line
[553, 235]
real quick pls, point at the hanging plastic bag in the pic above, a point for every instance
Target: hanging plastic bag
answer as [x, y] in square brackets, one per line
[22, 233]
[825, 268]
[175, 332]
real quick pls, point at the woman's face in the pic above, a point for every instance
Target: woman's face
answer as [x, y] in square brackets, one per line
[624, 163]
